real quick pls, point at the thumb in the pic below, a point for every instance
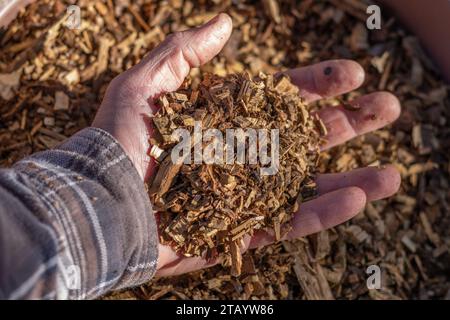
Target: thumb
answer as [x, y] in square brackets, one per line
[165, 67]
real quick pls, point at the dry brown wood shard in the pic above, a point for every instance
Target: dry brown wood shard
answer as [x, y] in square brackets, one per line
[236, 259]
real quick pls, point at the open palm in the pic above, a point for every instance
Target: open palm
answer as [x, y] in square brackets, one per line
[129, 102]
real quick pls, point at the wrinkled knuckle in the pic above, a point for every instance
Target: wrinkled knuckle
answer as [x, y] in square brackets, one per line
[193, 57]
[173, 67]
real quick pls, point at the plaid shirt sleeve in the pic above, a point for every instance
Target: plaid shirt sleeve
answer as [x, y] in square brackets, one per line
[75, 222]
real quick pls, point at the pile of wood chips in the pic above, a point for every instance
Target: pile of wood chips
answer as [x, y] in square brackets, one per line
[52, 79]
[252, 173]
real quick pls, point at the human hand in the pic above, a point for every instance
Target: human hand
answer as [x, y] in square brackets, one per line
[129, 100]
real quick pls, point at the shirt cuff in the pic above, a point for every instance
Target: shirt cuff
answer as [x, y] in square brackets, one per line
[100, 208]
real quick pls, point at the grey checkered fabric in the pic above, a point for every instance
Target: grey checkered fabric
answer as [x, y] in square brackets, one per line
[75, 222]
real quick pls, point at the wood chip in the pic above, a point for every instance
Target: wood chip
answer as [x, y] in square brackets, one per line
[61, 101]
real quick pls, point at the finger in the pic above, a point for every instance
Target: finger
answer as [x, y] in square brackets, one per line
[327, 211]
[374, 111]
[327, 78]
[321, 213]
[181, 264]
[184, 265]
[165, 67]
[377, 183]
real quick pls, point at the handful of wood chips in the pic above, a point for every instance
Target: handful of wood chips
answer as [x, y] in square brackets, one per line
[208, 208]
